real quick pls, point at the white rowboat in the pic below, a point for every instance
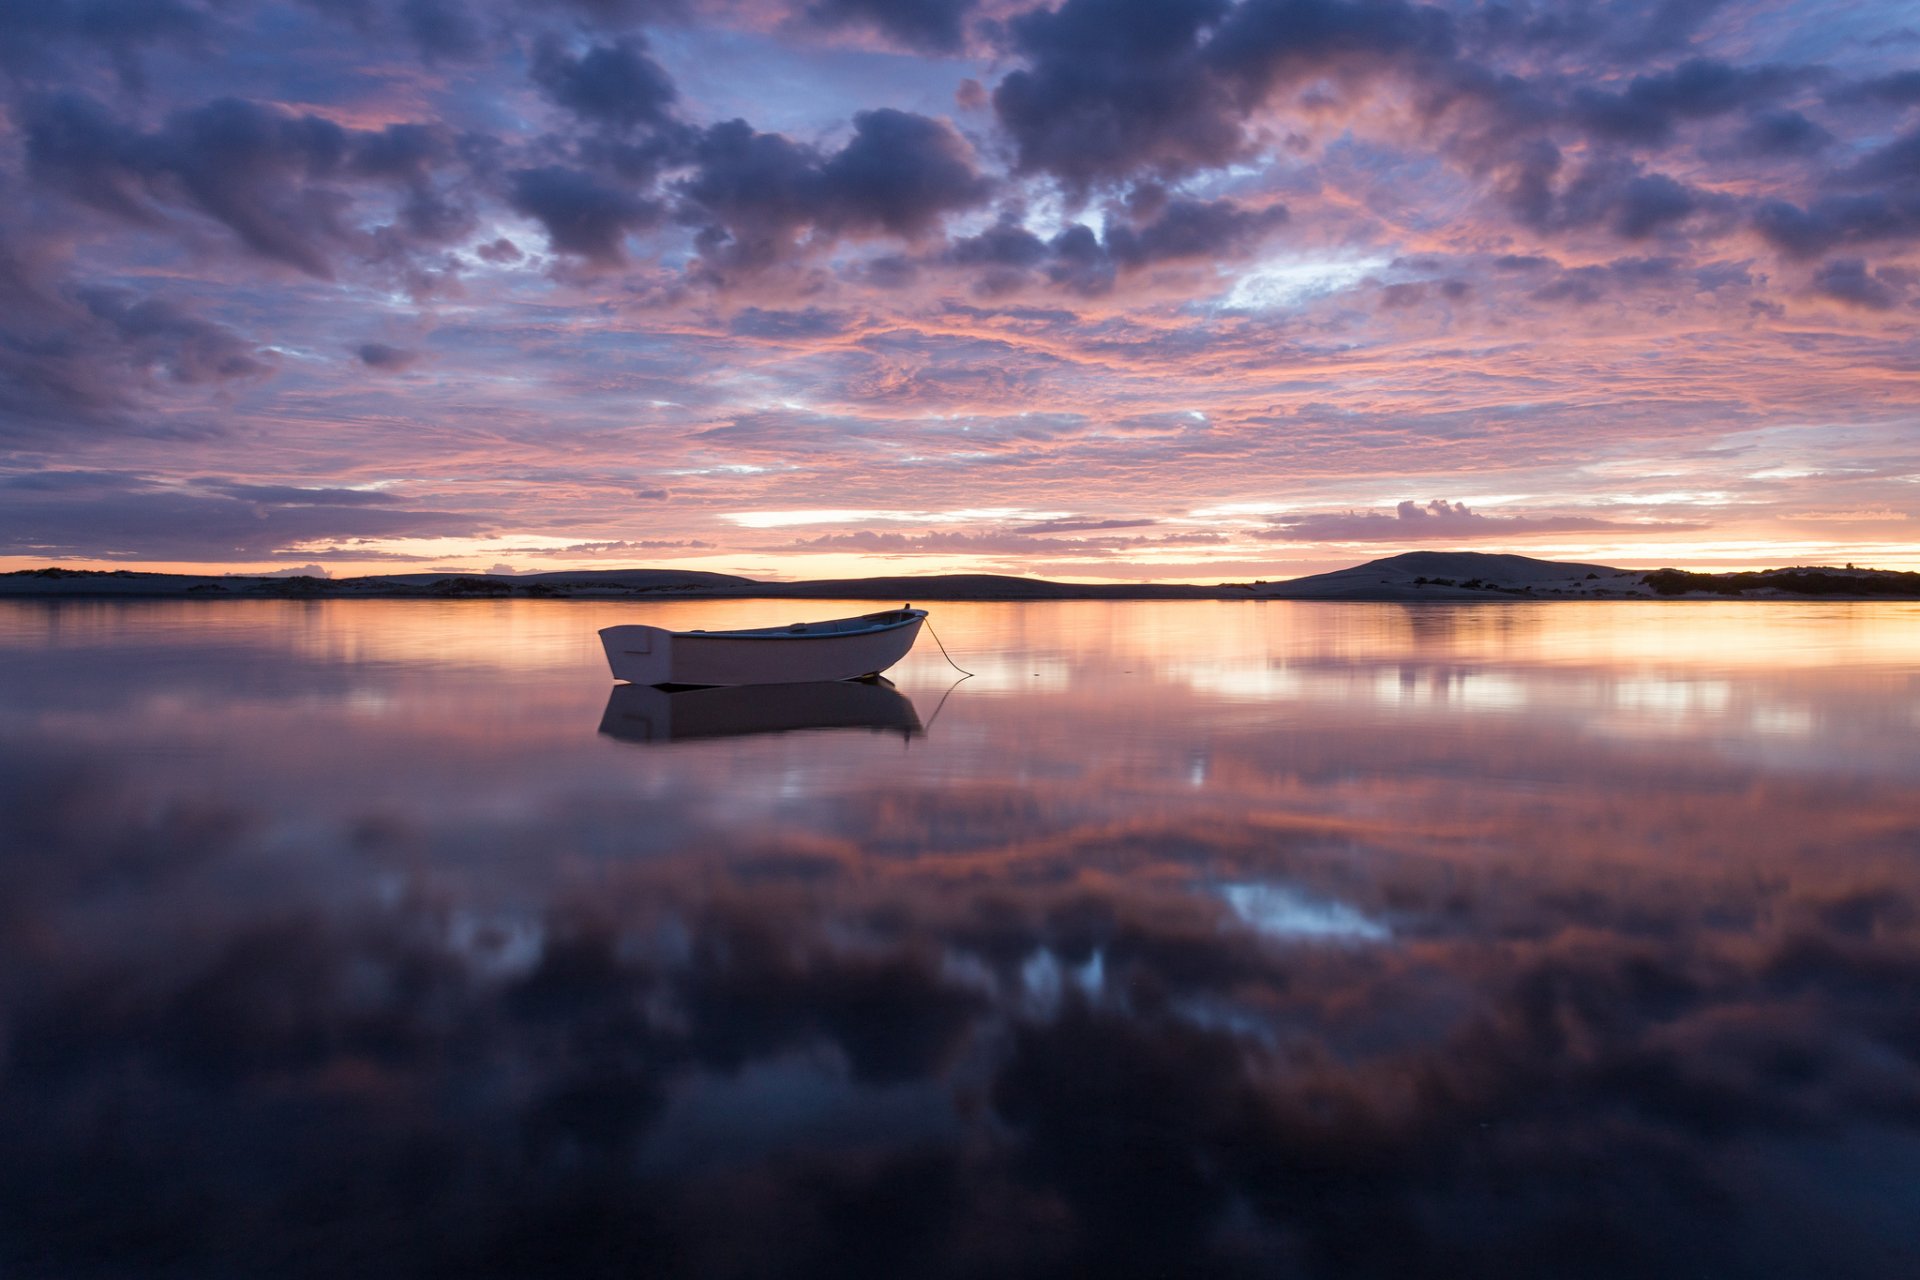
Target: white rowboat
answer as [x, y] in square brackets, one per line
[837, 649]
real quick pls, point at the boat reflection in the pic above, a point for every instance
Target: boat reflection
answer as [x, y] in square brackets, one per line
[643, 713]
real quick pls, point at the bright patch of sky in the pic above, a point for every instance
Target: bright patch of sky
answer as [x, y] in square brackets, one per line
[1289, 914]
[1291, 281]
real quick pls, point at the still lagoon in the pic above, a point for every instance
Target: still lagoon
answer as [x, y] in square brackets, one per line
[1321, 940]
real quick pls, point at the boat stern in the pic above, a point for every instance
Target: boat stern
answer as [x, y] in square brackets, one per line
[639, 655]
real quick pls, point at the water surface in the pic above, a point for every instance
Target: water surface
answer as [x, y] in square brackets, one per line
[1197, 938]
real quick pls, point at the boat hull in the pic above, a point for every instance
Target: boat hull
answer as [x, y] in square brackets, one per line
[654, 655]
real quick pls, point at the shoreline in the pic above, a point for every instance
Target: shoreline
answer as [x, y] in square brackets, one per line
[1410, 578]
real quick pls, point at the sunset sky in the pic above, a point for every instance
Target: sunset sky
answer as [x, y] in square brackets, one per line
[1116, 289]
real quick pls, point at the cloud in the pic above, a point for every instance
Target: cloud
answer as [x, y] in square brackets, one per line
[156, 336]
[751, 194]
[295, 495]
[1020, 541]
[378, 355]
[583, 214]
[1781, 134]
[899, 171]
[442, 29]
[937, 26]
[616, 84]
[1193, 229]
[1647, 111]
[1896, 88]
[813, 322]
[111, 515]
[1080, 526]
[953, 543]
[637, 544]
[1882, 205]
[277, 181]
[1151, 229]
[846, 1036]
[1608, 190]
[92, 356]
[1847, 280]
[1436, 520]
[1583, 286]
[1116, 88]
[39, 43]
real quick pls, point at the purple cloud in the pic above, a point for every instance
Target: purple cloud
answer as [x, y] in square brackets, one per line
[1439, 519]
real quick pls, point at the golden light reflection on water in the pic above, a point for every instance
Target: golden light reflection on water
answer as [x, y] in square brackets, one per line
[1141, 636]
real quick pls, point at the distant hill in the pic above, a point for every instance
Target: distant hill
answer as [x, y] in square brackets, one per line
[1458, 575]
[1410, 576]
[587, 584]
[1480, 575]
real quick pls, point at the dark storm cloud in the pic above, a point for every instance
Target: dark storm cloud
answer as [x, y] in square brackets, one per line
[1437, 519]
[1878, 201]
[443, 29]
[1006, 255]
[899, 172]
[500, 252]
[1833, 221]
[751, 194]
[37, 40]
[1897, 88]
[1608, 190]
[1114, 86]
[1629, 30]
[616, 85]
[1004, 244]
[156, 336]
[378, 355]
[1118, 87]
[90, 356]
[1781, 134]
[937, 26]
[278, 181]
[1848, 280]
[583, 214]
[1897, 164]
[1200, 229]
[1648, 110]
[1648, 203]
[113, 516]
[254, 170]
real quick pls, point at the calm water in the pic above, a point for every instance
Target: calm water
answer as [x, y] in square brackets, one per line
[375, 938]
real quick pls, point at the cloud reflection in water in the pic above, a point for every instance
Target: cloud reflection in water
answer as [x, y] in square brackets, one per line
[1401, 987]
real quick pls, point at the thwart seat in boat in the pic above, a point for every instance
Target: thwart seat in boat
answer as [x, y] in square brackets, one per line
[837, 649]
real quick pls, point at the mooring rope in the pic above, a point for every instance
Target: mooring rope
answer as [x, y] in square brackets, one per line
[943, 650]
[928, 727]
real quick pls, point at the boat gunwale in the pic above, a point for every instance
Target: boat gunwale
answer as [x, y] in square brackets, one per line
[787, 633]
